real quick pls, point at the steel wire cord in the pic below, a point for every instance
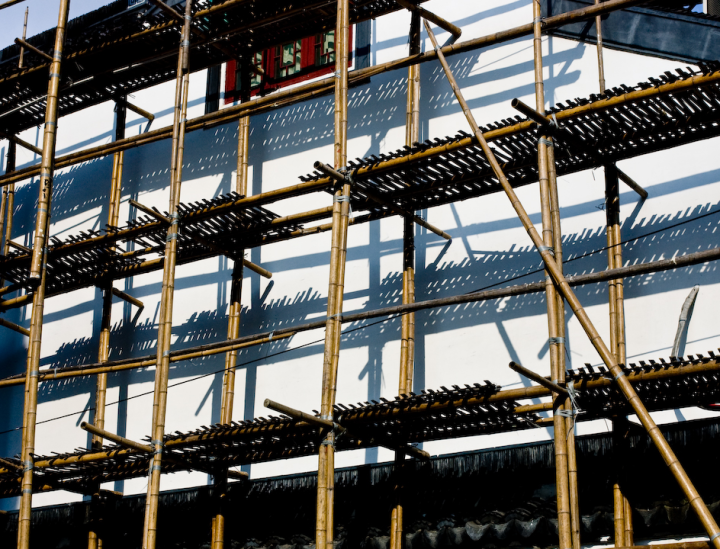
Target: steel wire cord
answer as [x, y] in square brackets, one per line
[364, 326]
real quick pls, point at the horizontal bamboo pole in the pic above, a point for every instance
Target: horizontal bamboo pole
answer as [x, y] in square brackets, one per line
[19, 246]
[509, 395]
[430, 16]
[14, 327]
[127, 297]
[538, 379]
[338, 176]
[15, 139]
[146, 361]
[147, 449]
[339, 429]
[287, 96]
[26, 45]
[485, 295]
[630, 182]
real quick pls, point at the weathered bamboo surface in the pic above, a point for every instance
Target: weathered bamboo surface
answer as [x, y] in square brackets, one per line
[431, 415]
[655, 115]
[144, 43]
[256, 339]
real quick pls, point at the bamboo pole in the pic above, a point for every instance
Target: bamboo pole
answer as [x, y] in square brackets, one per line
[557, 374]
[321, 87]
[9, 3]
[37, 276]
[436, 407]
[22, 43]
[425, 14]
[601, 65]
[234, 309]
[24, 144]
[168, 287]
[324, 528]
[575, 518]
[407, 329]
[8, 206]
[14, 327]
[22, 50]
[608, 358]
[94, 537]
[474, 297]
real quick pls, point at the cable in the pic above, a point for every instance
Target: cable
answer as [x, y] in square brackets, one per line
[364, 326]
[190, 380]
[588, 254]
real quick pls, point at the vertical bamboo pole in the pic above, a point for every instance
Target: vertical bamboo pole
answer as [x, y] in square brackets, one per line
[621, 506]
[601, 65]
[5, 200]
[166, 300]
[324, 531]
[608, 358]
[22, 50]
[235, 307]
[9, 202]
[94, 538]
[557, 374]
[558, 248]
[407, 343]
[37, 276]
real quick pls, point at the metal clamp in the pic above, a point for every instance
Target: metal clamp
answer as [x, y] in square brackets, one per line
[550, 249]
[556, 340]
[621, 374]
[546, 142]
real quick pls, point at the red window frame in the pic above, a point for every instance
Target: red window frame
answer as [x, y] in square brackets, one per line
[268, 83]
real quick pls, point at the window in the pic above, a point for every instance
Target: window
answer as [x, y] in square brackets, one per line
[286, 64]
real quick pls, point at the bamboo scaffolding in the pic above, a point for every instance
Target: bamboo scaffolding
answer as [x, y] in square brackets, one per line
[315, 89]
[324, 526]
[22, 50]
[621, 505]
[643, 376]
[474, 297]
[24, 44]
[234, 310]
[630, 182]
[14, 327]
[204, 241]
[338, 176]
[608, 358]
[407, 329]
[339, 429]
[24, 144]
[37, 275]
[430, 16]
[94, 537]
[8, 209]
[168, 286]
[556, 368]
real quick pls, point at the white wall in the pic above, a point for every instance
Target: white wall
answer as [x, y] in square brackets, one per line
[457, 345]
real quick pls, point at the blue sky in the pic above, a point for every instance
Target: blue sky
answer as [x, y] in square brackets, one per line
[43, 16]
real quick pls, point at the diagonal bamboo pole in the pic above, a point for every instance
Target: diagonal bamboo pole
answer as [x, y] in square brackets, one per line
[321, 87]
[608, 358]
[407, 330]
[324, 527]
[166, 299]
[37, 275]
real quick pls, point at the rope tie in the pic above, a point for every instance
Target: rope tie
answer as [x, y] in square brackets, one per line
[556, 340]
[340, 198]
[546, 142]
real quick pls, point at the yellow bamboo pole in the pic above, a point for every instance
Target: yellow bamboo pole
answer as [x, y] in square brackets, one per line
[407, 336]
[37, 276]
[234, 310]
[94, 538]
[324, 528]
[168, 287]
[22, 50]
[6, 207]
[557, 373]
[608, 358]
